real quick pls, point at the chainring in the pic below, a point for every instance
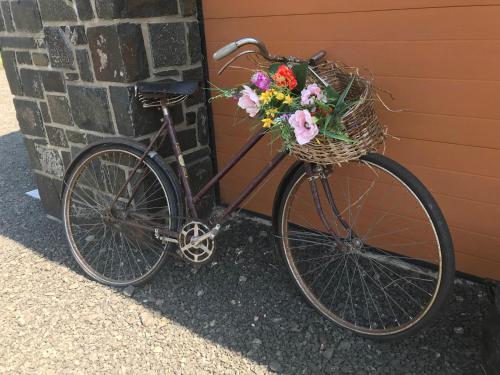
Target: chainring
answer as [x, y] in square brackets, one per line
[195, 253]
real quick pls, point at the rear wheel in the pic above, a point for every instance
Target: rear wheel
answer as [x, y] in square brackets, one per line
[115, 243]
[373, 252]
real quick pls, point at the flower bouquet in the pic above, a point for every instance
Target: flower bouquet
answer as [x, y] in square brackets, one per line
[317, 119]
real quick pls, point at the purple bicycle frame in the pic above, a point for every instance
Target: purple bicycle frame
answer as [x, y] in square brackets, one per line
[192, 200]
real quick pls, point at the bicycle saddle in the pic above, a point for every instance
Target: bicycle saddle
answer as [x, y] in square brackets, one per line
[167, 88]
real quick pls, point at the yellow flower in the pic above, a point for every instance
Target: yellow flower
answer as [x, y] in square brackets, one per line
[267, 96]
[267, 123]
[280, 96]
[288, 100]
[271, 112]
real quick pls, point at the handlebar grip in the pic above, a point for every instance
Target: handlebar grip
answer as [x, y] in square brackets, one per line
[317, 57]
[225, 51]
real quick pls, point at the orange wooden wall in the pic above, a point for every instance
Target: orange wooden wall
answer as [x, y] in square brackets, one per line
[439, 58]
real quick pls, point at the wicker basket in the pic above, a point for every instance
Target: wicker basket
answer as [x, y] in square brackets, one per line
[360, 122]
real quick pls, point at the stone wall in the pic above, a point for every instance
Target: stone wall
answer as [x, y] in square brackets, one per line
[72, 65]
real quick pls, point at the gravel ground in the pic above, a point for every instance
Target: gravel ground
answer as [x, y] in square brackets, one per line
[238, 315]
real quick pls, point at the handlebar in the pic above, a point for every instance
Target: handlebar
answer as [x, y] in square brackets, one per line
[317, 57]
[233, 46]
[230, 48]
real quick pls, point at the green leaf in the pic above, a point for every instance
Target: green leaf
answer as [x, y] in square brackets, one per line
[273, 68]
[341, 137]
[341, 100]
[331, 93]
[328, 119]
[300, 71]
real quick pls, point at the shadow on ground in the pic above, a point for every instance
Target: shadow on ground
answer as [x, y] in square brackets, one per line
[245, 302]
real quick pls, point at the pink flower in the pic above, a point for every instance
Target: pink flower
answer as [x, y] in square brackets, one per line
[261, 80]
[307, 94]
[303, 125]
[249, 101]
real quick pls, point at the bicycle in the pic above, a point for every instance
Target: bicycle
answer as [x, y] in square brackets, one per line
[365, 242]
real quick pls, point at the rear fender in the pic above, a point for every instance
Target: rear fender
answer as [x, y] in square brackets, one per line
[122, 141]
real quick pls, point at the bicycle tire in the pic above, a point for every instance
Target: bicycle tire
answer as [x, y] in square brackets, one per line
[161, 174]
[437, 220]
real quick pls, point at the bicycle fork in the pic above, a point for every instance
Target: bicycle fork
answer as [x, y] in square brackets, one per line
[319, 173]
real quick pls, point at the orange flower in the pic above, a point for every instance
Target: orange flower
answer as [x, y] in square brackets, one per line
[285, 77]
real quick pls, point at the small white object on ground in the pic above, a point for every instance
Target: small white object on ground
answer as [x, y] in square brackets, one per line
[33, 194]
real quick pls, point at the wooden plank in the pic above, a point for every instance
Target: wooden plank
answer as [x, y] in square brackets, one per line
[470, 215]
[450, 59]
[475, 161]
[227, 8]
[460, 98]
[464, 23]
[429, 127]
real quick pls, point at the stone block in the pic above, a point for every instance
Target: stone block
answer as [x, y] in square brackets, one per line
[135, 8]
[45, 112]
[84, 98]
[203, 128]
[20, 42]
[29, 117]
[23, 57]
[26, 16]
[194, 42]
[49, 189]
[32, 151]
[75, 34]
[56, 136]
[197, 98]
[194, 156]
[10, 66]
[168, 73]
[2, 23]
[187, 7]
[31, 82]
[132, 119]
[195, 74]
[186, 139]
[57, 10]
[66, 158]
[118, 52]
[40, 59]
[190, 118]
[84, 10]
[7, 16]
[53, 81]
[168, 44]
[84, 65]
[50, 160]
[200, 173]
[76, 137]
[59, 109]
[59, 46]
[71, 76]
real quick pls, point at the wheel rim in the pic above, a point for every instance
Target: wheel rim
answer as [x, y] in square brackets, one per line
[376, 288]
[103, 242]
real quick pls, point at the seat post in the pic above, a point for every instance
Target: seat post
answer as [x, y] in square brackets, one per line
[183, 172]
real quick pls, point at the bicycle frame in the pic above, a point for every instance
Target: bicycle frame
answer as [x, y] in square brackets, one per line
[256, 181]
[167, 130]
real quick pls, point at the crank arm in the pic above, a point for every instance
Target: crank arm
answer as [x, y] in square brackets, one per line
[195, 241]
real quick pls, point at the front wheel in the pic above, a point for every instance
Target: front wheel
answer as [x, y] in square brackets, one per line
[367, 245]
